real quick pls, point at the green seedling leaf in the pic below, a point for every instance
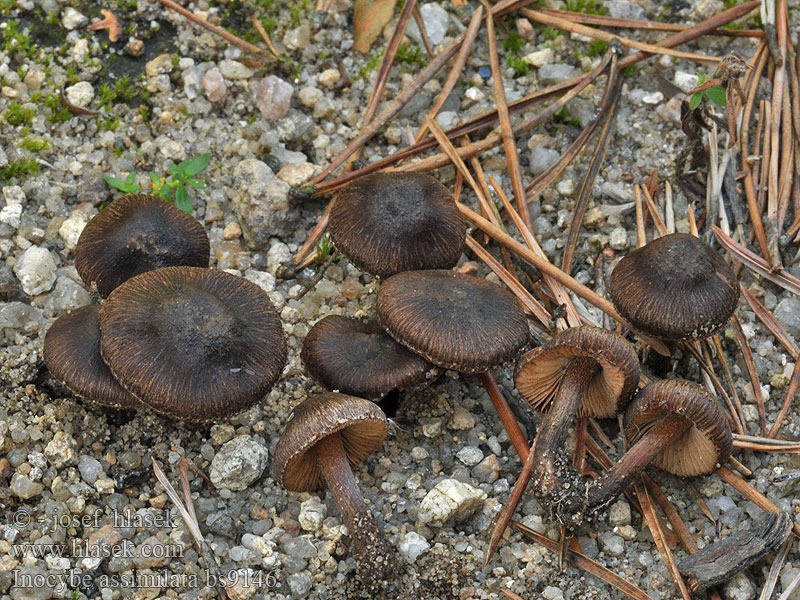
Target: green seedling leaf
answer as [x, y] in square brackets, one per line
[174, 170]
[128, 186]
[197, 184]
[717, 96]
[194, 166]
[182, 200]
[155, 179]
[695, 100]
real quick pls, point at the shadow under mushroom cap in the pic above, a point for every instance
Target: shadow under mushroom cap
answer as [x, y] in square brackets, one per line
[193, 343]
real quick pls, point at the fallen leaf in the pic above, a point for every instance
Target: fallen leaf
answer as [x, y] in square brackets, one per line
[110, 22]
[370, 16]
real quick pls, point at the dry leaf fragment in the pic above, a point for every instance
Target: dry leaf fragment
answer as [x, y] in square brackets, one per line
[109, 22]
[369, 17]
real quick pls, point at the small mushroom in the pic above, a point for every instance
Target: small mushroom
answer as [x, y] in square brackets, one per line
[583, 371]
[675, 288]
[358, 358]
[72, 355]
[453, 320]
[673, 424]
[328, 436]
[192, 343]
[386, 223]
[135, 234]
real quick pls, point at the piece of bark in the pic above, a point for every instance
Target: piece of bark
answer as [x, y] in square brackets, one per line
[722, 560]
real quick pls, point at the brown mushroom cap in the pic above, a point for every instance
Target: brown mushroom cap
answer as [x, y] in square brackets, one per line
[539, 371]
[360, 423]
[72, 355]
[358, 358]
[698, 451]
[674, 288]
[386, 223]
[453, 320]
[193, 343]
[135, 234]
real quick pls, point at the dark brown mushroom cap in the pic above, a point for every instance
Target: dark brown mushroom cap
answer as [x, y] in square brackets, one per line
[386, 223]
[674, 288]
[72, 355]
[453, 320]
[539, 372]
[360, 423]
[192, 343]
[135, 234]
[358, 358]
[702, 447]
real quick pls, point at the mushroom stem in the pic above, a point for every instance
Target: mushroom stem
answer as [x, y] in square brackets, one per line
[561, 413]
[374, 556]
[613, 482]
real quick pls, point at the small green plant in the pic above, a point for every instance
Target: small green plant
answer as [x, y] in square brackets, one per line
[716, 94]
[19, 168]
[16, 114]
[324, 249]
[58, 112]
[411, 54]
[35, 144]
[589, 7]
[172, 188]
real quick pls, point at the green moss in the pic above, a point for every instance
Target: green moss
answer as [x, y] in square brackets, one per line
[520, 65]
[412, 55]
[563, 116]
[550, 33]
[110, 123]
[16, 114]
[19, 169]
[14, 40]
[589, 7]
[372, 64]
[35, 144]
[58, 114]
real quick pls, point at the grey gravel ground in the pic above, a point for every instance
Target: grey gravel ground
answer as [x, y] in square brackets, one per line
[82, 475]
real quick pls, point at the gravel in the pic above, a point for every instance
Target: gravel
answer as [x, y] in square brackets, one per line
[79, 473]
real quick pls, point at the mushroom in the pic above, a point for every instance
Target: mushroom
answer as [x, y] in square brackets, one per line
[675, 288]
[459, 322]
[358, 358]
[673, 424]
[192, 343]
[328, 435]
[72, 355]
[134, 234]
[453, 320]
[386, 223]
[583, 371]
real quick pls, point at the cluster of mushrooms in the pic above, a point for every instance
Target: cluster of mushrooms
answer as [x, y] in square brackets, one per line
[190, 342]
[200, 345]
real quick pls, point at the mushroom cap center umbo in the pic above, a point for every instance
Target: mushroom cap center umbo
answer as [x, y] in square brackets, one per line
[386, 223]
[194, 319]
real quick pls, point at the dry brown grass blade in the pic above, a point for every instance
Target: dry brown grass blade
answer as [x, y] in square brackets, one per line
[766, 317]
[457, 69]
[511, 595]
[598, 34]
[735, 418]
[785, 280]
[236, 41]
[423, 33]
[774, 570]
[606, 21]
[723, 361]
[586, 563]
[510, 423]
[529, 302]
[702, 28]
[407, 93]
[507, 131]
[651, 206]
[749, 492]
[573, 319]
[651, 517]
[264, 35]
[794, 383]
[752, 372]
[609, 105]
